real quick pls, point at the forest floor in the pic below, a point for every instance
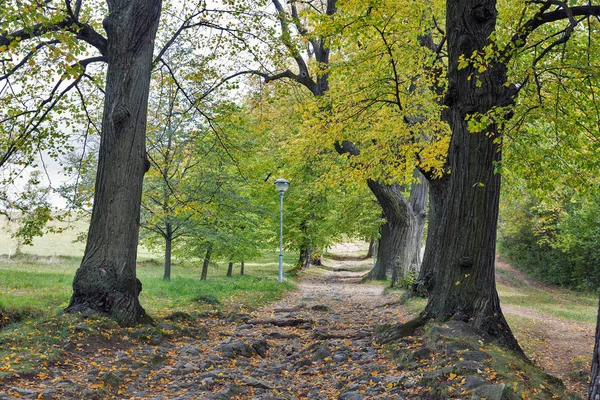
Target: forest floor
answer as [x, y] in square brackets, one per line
[317, 343]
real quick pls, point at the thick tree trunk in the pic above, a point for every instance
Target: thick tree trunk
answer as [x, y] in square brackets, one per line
[206, 263]
[463, 284]
[230, 269]
[594, 392]
[106, 280]
[401, 235]
[242, 269]
[168, 243]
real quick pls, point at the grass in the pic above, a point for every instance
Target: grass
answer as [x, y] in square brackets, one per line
[35, 289]
[570, 305]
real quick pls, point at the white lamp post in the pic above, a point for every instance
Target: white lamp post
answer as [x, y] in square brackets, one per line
[281, 185]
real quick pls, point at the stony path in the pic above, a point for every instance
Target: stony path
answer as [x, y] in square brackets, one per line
[315, 344]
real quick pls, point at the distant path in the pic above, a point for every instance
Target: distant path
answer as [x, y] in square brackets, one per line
[563, 344]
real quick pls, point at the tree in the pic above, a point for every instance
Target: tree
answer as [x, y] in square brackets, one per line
[310, 26]
[478, 99]
[42, 35]
[106, 281]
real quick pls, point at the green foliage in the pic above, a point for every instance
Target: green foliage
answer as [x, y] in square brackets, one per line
[556, 245]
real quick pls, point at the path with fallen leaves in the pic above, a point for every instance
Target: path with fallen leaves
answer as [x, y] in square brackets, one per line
[315, 344]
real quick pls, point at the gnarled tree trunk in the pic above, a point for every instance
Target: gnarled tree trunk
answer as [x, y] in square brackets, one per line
[106, 280]
[463, 284]
[401, 235]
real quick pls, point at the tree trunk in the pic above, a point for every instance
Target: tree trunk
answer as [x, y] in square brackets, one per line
[305, 259]
[594, 392]
[168, 243]
[424, 283]
[242, 269]
[206, 263]
[464, 286]
[401, 235]
[371, 251]
[230, 269]
[386, 253]
[106, 280]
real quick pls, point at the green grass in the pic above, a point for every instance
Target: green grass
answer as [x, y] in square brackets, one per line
[34, 291]
[572, 306]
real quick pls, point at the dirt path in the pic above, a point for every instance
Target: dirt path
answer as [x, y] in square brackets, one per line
[562, 348]
[315, 344]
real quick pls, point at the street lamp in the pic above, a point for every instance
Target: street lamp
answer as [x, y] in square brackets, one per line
[281, 185]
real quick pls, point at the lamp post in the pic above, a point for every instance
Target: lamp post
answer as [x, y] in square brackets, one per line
[281, 185]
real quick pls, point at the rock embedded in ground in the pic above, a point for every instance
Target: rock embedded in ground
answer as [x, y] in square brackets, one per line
[472, 382]
[475, 356]
[236, 349]
[489, 392]
[351, 396]
[190, 350]
[423, 353]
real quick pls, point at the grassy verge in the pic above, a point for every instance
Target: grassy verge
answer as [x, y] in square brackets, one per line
[34, 291]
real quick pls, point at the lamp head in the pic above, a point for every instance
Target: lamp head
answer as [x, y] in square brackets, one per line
[281, 185]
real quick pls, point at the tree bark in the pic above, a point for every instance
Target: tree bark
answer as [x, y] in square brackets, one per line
[594, 392]
[424, 283]
[206, 263]
[305, 259]
[106, 280]
[401, 235]
[242, 268]
[230, 269]
[463, 282]
[371, 250]
[168, 243]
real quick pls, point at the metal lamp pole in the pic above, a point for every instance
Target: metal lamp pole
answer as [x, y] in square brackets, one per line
[281, 185]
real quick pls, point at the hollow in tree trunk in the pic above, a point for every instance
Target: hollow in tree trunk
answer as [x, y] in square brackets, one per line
[106, 280]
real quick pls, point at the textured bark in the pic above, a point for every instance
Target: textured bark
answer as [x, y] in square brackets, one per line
[242, 269]
[424, 283]
[305, 259]
[206, 263]
[106, 280]
[371, 251]
[463, 283]
[594, 392]
[230, 269]
[168, 245]
[401, 235]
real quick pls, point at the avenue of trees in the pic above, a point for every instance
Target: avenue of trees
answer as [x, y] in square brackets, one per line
[381, 114]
